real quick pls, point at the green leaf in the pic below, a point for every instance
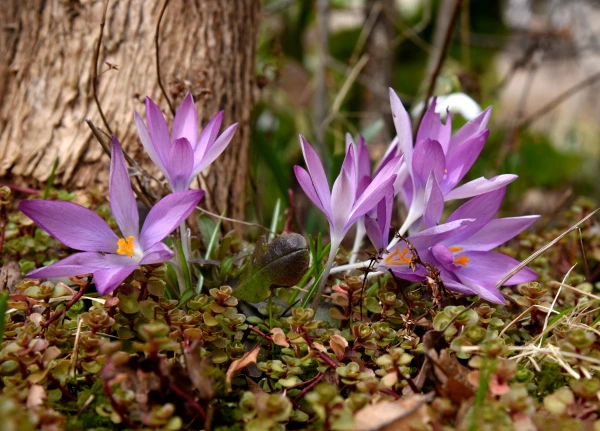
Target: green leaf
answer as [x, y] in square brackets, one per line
[283, 262]
[3, 307]
[51, 179]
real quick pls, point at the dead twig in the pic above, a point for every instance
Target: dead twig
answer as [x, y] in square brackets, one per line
[82, 288]
[156, 45]
[523, 264]
[142, 193]
[440, 62]
[95, 69]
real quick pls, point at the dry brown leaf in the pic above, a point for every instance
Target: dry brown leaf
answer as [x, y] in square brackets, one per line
[390, 379]
[254, 387]
[320, 347]
[199, 371]
[338, 344]
[239, 364]
[279, 337]
[392, 415]
[36, 396]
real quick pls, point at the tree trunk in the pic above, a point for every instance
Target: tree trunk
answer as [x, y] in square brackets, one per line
[46, 49]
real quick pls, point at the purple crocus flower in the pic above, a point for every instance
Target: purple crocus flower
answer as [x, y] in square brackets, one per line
[109, 258]
[376, 222]
[462, 252]
[438, 162]
[344, 204]
[183, 154]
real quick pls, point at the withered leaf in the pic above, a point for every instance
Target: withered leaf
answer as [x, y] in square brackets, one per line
[391, 415]
[239, 364]
[282, 262]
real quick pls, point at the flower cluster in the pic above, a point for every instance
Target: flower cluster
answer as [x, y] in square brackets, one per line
[424, 175]
[181, 156]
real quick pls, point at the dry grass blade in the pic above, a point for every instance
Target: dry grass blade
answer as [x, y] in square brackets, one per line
[384, 414]
[526, 262]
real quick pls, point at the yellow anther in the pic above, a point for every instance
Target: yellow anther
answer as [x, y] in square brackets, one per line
[455, 249]
[462, 260]
[398, 257]
[125, 246]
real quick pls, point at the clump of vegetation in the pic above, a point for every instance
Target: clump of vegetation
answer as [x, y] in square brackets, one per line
[150, 357]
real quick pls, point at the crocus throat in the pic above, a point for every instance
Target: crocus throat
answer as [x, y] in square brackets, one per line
[398, 257]
[125, 246]
[459, 260]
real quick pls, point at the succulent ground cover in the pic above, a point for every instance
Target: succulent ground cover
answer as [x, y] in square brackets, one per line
[164, 322]
[380, 354]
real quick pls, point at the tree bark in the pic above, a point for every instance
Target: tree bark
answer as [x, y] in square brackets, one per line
[46, 48]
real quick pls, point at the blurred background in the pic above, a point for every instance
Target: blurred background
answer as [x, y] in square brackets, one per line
[325, 67]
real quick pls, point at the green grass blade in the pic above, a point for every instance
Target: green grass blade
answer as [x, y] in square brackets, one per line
[3, 307]
[274, 220]
[50, 181]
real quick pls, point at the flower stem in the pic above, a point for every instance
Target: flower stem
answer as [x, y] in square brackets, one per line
[360, 234]
[322, 281]
[349, 267]
[187, 279]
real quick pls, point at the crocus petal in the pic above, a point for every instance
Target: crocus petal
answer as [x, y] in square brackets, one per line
[445, 257]
[148, 144]
[377, 223]
[480, 186]
[481, 208]
[166, 215]
[376, 190]
[349, 166]
[497, 232]
[487, 267]
[434, 202]
[392, 151]
[308, 187]
[73, 225]
[405, 273]
[215, 149]
[489, 294]
[157, 128]
[80, 264]
[428, 157]
[109, 279]
[403, 127]
[460, 160]
[429, 237]
[185, 124]
[122, 200]
[342, 198]
[470, 129]
[180, 163]
[317, 173]
[158, 253]
[432, 127]
[363, 161]
[209, 134]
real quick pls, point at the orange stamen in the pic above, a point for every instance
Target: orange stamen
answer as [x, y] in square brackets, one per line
[125, 246]
[398, 257]
[462, 260]
[455, 249]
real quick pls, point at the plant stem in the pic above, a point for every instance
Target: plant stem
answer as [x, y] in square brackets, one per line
[360, 234]
[323, 278]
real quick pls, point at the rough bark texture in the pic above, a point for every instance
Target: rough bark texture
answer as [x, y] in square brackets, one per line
[379, 69]
[46, 48]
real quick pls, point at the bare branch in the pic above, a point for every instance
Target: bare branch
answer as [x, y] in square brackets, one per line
[95, 69]
[440, 61]
[156, 36]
